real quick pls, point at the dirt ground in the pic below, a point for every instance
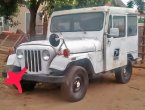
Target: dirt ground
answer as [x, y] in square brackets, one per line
[103, 94]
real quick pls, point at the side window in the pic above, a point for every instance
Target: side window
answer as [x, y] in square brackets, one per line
[120, 22]
[132, 26]
[77, 26]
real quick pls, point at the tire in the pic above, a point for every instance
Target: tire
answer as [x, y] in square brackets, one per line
[26, 85]
[75, 84]
[123, 74]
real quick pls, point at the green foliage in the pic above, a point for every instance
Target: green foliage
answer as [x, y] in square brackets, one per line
[30, 4]
[141, 20]
[1, 82]
[63, 4]
[69, 4]
[55, 5]
[91, 3]
[8, 8]
[139, 3]
[130, 4]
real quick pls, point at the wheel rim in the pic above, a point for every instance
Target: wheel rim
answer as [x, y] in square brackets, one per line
[126, 72]
[77, 84]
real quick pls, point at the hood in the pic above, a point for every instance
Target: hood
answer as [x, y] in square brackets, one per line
[75, 46]
[41, 42]
[82, 46]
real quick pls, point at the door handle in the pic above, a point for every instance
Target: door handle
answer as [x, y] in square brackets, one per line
[109, 42]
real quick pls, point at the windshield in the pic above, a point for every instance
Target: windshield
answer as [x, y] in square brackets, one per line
[77, 22]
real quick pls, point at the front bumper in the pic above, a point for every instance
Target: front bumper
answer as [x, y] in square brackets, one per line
[54, 76]
[40, 78]
[43, 78]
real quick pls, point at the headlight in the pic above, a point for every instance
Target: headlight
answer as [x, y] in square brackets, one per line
[45, 55]
[20, 54]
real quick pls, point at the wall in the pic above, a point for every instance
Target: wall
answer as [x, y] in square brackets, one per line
[21, 18]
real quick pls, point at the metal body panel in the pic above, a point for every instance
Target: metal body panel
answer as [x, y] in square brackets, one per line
[60, 63]
[12, 60]
[132, 49]
[112, 45]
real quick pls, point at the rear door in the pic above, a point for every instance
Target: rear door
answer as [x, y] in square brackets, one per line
[132, 35]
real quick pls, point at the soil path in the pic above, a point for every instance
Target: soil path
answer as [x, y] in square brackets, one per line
[103, 94]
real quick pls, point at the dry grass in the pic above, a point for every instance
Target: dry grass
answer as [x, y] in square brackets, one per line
[1, 82]
[2, 62]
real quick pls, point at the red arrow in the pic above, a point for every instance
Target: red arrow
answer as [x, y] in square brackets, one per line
[14, 78]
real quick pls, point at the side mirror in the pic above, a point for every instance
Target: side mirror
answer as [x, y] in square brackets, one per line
[54, 40]
[114, 32]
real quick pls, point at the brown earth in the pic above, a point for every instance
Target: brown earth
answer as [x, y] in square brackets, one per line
[103, 94]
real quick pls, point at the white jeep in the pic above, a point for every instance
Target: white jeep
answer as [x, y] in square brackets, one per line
[81, 43]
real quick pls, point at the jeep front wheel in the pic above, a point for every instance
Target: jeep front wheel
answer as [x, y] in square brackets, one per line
[75, 84]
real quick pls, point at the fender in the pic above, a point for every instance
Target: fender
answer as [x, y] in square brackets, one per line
[12, 60]
[61, 63]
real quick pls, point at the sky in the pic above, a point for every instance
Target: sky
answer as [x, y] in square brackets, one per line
[125, 2]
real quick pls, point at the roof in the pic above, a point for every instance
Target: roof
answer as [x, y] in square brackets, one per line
[113, 10]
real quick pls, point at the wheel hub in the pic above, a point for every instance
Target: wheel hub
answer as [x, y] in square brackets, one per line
[77, 84]
[125, 72]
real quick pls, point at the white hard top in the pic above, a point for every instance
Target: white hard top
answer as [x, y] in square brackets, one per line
[113, 10]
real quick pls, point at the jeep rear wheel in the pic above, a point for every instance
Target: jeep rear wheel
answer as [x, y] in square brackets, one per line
[75, 84]
[123, 74]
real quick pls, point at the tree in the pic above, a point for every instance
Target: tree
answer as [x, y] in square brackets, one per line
[8, 9]
[91, 3]
[51, 5]
[55, 5]
[139, 3]
[33, 6]
[130, 4]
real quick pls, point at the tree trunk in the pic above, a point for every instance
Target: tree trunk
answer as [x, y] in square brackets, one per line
[32, 25]
[45, 24]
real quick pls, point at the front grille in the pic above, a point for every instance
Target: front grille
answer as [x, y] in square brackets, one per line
[33, 60]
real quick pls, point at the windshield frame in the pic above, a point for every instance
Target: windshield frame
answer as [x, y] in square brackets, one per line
[72, 20]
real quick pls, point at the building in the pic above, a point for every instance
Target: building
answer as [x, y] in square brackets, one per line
[3, 25]
[23, 19]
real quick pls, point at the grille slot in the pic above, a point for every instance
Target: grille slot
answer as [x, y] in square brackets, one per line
[33, 60]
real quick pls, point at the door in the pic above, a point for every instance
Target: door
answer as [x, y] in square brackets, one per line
[132, 35]
[116, 55]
